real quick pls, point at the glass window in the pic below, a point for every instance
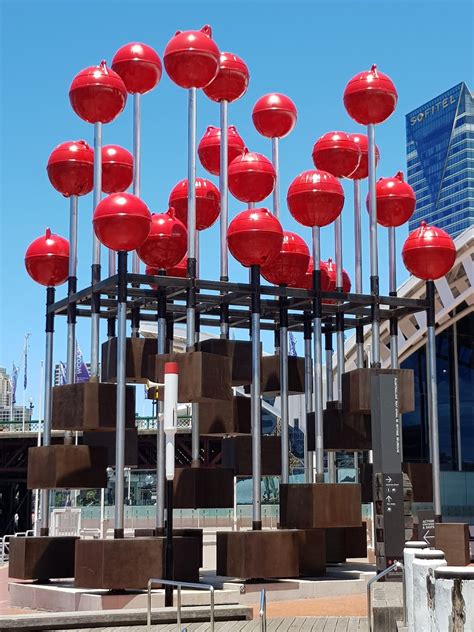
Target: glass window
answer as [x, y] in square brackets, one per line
[465, 345]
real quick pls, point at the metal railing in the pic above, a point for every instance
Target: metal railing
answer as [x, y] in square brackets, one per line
[262, 613]
[5, 543]
[178, 585]
[389, 569]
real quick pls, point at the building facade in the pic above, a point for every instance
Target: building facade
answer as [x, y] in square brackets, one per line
[440, 160]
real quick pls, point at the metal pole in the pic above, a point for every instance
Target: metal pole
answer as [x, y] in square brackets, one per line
[308, 392]
[48, 382]
[318, 357]
[160, 433]
[256, 419]
[433, 398]
[392, 268]
[285, 444]
[329, 375]
[95, 303]
[137, 159]
[374, 267]
[169, 544]
[37, 523]
[224, 218]
[358, 270]
[276, 165]
[121, 386]
[339, 315]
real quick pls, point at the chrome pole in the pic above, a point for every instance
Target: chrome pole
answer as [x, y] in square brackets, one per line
[358, 270]
[318, 358]
[276, 165]
[160, 432]
[329, 374]
[285, 443]
[374, 267]
[308, 394]
[392, 267]
[256, 419]
[71, 311]
[224, 218]
[137, 161]
[95, 303]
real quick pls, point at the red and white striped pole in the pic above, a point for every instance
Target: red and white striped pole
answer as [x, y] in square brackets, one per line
[170, 427]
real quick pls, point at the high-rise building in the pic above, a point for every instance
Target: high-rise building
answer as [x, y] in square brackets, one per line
[5, 388]
[440, 160]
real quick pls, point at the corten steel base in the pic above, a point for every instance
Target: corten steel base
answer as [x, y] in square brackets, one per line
[311, 552]
[237, 455]
[42, 557]
[131, 562]
[188, 533]
[342, 431]
[240, 354]
[258, 554]
[421, 478]
[106, 440]
[90, 406]
[349, 542]
[203, 377]
[138, 353]
[270, 372]
[320, 505]
[67, 467]
[221, 417]
[203, 488]
[453, 539]
[356, 389]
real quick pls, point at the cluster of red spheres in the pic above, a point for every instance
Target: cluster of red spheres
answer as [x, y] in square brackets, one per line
[209, 148]
[166, 243]
[71, 168]
[47, 259]
[231, 81]
[122, 221]
[290, 265]
[337, 153]
[208, 202]
[179, 270]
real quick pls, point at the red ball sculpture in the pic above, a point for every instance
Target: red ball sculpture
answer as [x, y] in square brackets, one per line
[166, 243]
[255, 237]
[307, 283]
[47, 259]
[396, 201]
[139, 66]
[315, 198]
[117, 169]
[231, 81]
[370, 97]
[192, 58]
[97, 94]
[251, 177]
[331, 275]
[122, 221]
[362, 170]
[209, 148]
[290, 265]
[429, 252]
[337, 153]
[208, 202]
[274, 115]
[71, 168]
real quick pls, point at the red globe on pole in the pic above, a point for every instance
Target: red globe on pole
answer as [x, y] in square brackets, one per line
[337, 153]
[396, 201]
[117, 169]
[429, 252]
[231, 81]
[166, 243]
[331, 276]
[370, 97]
[307, 281]
[315, 198]
[71, 168]
[139, 66]
[97, 94]
[362, 170]
[208, 202]
[47, 259]
[274, 115]
[290, 265]
[209, 148]
[255, 237]
[251, 177]
[122, 221]
[191, 58]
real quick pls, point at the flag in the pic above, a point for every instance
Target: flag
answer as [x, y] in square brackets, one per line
[82, 372]
[292, 350]
[13, 381]
[25, 378]
[62, 374]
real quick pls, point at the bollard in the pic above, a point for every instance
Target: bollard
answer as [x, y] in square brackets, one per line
[422, 564]
[453, 604]
[411, 548]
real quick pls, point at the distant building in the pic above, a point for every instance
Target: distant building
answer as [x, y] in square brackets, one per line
[440, 160]
[5, 388]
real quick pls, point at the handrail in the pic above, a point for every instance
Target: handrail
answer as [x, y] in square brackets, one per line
[262, 613]
[179, 585]
[386, 571]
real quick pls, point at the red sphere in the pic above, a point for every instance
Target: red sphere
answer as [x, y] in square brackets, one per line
[122, 221]
[290, 265]
[274, 115]
[71, 168]
[255, 237]
[231, 81]
[396, 201]
[139, 66]
[252, 177]
[47, 259]
[362, 170]
[117, 169]
[307, 282]
[331, 276]
[209, 148]
[179, 270]
[337, 153]
[97, 94]
[370, 97]
[167, 241]
[192, 58]
[429, 252]
[208, 202]
[315, 198]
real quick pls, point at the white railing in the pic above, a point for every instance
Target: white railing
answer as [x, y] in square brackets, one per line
[179, 585]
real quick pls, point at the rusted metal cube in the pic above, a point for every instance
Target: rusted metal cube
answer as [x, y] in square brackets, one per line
[41, 558]
[239, 353]
[106, 440]
[221, 417]
[237, 455]
[67, 467]
[203, 488]
[137, 354]
[342, 431]
[270, 382]
[356, 389]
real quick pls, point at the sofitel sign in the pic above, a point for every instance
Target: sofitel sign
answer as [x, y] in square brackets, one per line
[436, 107]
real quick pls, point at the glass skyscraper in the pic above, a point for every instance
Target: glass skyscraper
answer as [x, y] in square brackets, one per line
[440, 160]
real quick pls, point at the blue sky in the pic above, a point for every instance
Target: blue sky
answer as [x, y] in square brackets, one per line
[308, 50]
